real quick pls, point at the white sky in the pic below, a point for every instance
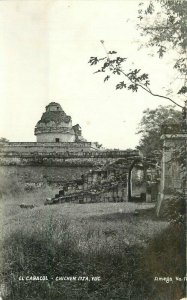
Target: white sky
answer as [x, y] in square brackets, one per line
[44, 51]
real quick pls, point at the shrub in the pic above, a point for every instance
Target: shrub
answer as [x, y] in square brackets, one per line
[9, 185]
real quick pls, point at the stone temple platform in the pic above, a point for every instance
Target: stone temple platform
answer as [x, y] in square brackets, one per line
[58, 143]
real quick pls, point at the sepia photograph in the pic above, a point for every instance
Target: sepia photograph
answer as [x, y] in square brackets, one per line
[93, 149]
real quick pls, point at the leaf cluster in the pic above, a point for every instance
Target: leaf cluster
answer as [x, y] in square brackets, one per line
[112, 64]
[115, 66]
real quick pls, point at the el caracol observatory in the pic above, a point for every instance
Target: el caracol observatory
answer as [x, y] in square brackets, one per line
[56, 126]
[56, 138]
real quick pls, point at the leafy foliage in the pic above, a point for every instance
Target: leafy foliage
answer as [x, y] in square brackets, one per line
[121, 85]
[3, 140]
[150, 127]
[176, 209]
[98, 145]
[183, 90]
[164, 22]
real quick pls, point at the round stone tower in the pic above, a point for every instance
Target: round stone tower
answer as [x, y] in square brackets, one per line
[55, 125]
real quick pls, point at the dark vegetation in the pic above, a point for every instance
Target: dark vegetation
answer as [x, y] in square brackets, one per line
[54, 116]
[53, 245]
[126, 273]
[151, 125]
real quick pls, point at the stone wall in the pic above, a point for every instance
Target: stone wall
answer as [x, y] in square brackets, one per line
[106, 184]
[56, 167]
[171, 171]
[42, 174]
[54, 161]
[51, 137]
[37, 148]
[62, 154]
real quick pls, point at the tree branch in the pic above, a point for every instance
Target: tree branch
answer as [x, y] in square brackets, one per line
[148, 90]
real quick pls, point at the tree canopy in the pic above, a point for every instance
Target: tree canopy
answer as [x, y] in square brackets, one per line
[150, 128]
[164, 22]
[4, 140]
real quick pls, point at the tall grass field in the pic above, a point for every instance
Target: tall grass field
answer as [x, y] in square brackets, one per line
[86, 251]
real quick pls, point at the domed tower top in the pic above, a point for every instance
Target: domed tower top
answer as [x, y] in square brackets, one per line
[56, 126]
[53, 106]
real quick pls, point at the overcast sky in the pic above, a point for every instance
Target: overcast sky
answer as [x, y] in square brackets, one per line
[44, 51]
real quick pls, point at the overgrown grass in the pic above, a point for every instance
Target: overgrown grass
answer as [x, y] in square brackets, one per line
[125, 250]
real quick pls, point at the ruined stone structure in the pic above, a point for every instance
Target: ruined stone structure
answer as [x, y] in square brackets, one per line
[172, 171]
[60, 154]
[55, 126]
[118, 180]
[61, 157]
[108, 183]
[57, 139]
[58, 144]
